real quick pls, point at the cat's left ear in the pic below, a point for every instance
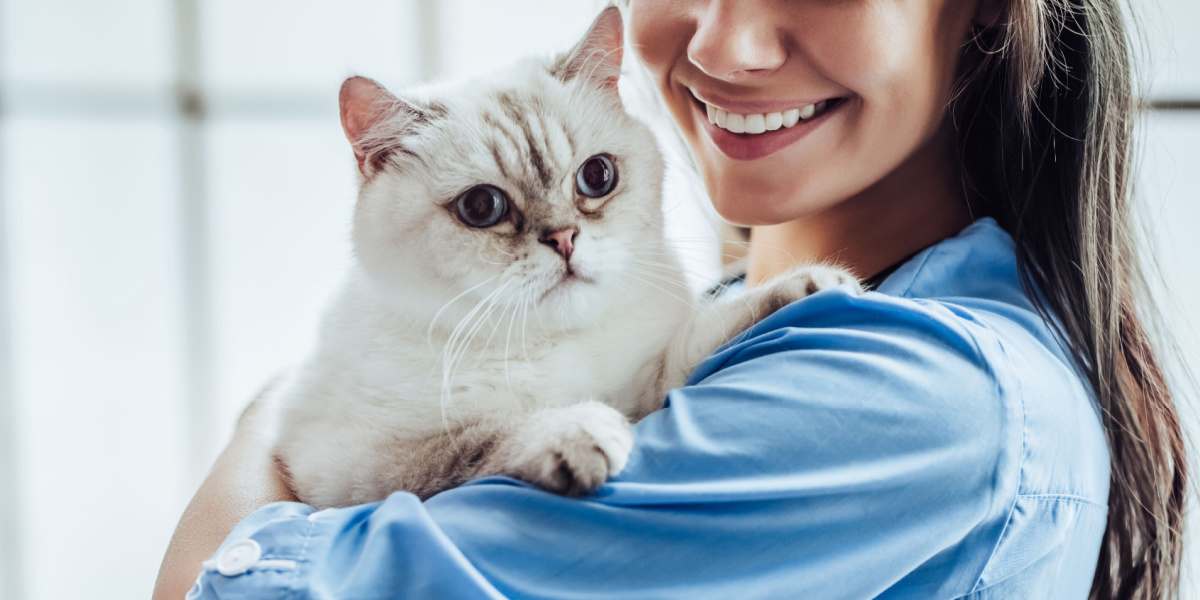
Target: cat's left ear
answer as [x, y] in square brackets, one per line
[597, 57]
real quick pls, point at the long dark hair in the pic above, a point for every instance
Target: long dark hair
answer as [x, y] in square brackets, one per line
[1045, 120]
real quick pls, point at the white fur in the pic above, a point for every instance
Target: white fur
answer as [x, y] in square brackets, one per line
[506, 341]
[441, 330]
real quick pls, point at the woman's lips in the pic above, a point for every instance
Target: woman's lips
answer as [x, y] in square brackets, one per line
[752, 146]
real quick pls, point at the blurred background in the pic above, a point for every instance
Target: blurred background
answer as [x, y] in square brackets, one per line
[174, 201]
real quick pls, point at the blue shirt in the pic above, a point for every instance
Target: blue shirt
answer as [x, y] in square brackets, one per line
[928, 440]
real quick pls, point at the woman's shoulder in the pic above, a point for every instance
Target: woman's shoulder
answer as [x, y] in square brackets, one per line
[956, 335]
[888, 407]
[955, 331]
[969, 390]
[936, 369]
[974, 282]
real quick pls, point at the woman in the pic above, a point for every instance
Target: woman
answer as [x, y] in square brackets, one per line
[953, 434]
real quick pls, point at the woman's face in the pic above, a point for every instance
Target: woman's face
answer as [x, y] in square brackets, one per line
[814, 101]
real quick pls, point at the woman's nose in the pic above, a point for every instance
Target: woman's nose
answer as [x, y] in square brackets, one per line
[736, 40]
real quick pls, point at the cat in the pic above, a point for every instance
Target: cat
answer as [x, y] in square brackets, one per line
[512, 305]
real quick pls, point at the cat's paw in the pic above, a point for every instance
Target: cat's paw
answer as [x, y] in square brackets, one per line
[572, 450]
[803, 282]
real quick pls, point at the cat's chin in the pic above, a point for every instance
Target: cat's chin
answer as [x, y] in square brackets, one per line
[572, 283]
[573, 303]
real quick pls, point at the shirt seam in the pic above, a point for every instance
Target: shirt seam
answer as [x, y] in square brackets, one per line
[1012, 505]
[920, 268]
[1064, 498]
[1055, 497]
[996, 382]
[302, 559]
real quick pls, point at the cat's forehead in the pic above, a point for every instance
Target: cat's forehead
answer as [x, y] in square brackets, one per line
[530, 134]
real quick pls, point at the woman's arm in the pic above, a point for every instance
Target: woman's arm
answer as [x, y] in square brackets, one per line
[862, 448]
[243, 479]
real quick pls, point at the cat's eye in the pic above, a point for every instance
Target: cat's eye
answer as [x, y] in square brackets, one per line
[481, 206]
[596, 177]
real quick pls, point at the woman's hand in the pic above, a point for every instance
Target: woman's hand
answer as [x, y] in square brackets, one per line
[243, 479]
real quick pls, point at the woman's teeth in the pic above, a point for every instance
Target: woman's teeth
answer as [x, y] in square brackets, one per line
[762, 123]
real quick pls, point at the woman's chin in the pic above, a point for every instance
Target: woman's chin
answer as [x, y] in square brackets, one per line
[748, 205]
[738, 211]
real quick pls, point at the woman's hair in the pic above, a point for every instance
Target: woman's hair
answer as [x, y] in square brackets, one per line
[1044, 127]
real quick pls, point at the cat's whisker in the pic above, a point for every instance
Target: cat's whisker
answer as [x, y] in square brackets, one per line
[493, 247]
[461, 326]
[448, 367]
[461, 337]
[664, 268]
[675, 252]
[662, 259]
[714, 239]
[447, 349]
[771, 248]
[700, 241]
[438, 315]
[459, 350]
[483, 317]
[668, 293]
[516, 307]
[507, 303]
[666, 280]
[678, 252]
[632, 287]
[525, 306]
[674, 274]
[668, 268]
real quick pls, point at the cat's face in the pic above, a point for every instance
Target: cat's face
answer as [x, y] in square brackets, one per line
[532, 190]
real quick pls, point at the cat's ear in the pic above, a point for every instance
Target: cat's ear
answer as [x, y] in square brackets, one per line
[597, 57]
[366, 106]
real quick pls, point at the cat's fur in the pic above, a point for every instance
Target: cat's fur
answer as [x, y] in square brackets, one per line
[451, 352]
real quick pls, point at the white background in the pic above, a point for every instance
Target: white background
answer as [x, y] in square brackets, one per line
[154, 272]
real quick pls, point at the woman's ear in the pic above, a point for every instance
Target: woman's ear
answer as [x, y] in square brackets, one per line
[989, 12]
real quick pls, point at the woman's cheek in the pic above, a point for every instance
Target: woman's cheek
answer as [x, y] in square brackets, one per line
[659, 33]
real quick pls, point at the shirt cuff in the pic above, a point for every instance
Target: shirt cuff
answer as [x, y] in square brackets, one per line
[266, 555]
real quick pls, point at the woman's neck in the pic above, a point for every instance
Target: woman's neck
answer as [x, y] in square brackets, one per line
[918, 204]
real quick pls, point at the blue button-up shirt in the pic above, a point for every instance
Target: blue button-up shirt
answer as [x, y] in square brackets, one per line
[927, 440]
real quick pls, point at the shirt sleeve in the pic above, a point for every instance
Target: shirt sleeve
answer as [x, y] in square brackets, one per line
[844, 447]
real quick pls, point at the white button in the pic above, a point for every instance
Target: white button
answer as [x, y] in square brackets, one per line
[238, 557]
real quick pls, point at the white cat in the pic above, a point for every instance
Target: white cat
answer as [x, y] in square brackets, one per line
[513, 303]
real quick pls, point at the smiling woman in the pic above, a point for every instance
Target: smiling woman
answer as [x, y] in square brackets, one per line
[174, 202]
[964, 429]
[914, 140]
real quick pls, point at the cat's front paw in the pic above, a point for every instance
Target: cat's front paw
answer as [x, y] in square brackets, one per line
[572, 450]
[803, 282]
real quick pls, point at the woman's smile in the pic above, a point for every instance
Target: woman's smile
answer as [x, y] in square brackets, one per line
[749, 130]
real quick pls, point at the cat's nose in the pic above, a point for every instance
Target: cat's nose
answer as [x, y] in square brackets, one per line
[562, 240]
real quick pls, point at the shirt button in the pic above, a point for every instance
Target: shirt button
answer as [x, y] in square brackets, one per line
[238, 557]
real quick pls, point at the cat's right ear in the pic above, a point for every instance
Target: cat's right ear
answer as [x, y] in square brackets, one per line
[597, 57]
[366, 107]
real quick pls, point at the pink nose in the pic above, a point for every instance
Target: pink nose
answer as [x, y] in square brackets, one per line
[562, 240]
